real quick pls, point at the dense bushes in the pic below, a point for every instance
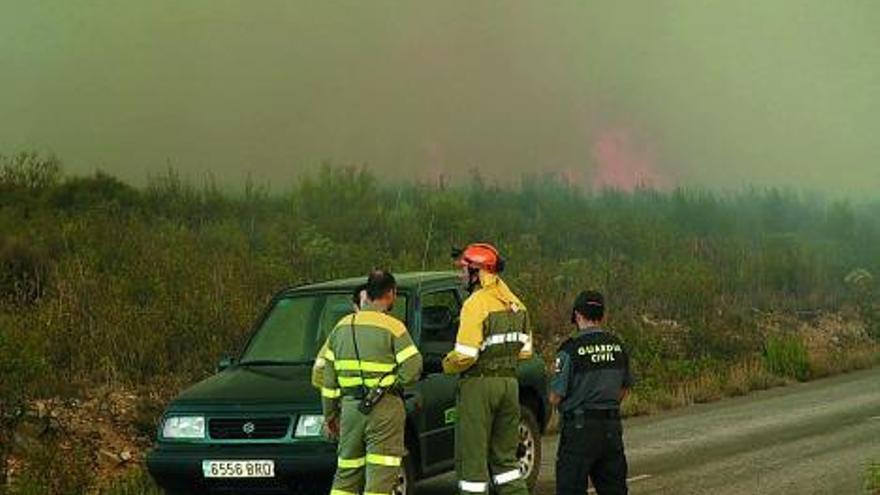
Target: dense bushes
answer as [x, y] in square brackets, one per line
[170, 276]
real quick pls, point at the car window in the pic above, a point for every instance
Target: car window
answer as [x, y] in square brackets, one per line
[440, 311]
[399, 309]
[296, 327]
[335, 309]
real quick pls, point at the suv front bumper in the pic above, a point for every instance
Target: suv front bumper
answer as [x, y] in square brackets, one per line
[177, 468]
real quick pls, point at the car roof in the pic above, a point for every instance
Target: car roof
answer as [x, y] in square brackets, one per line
[405, 281]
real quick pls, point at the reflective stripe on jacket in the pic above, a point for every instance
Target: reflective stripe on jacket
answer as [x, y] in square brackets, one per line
[494, 330]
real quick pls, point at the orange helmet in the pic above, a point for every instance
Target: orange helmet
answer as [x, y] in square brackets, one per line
[481, 256]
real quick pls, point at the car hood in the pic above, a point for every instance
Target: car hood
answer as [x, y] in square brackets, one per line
[246, 385]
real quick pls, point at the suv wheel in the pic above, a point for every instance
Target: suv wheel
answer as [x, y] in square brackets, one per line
[529, 450]
[407, 480]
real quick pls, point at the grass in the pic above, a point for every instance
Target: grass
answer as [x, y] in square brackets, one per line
[745, 376]
[54, 467]
[135, 482]
[786, 356]
[734, 380]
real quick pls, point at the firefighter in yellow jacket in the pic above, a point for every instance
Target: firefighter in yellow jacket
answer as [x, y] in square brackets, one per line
[368, 352]
[492, 337]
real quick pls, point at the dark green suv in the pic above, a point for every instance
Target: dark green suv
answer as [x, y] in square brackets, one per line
[255, 426]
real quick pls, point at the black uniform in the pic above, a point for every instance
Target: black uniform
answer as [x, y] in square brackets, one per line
[591, 369]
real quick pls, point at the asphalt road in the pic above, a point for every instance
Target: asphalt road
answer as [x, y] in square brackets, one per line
[811, 438]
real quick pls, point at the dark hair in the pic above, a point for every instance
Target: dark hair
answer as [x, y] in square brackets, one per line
[590, 304]
[379, 283]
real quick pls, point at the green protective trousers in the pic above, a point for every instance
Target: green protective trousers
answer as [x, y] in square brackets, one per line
[487, 436]
[371, 448]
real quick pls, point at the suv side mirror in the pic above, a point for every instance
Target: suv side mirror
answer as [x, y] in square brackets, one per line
[432, 364]
[225, 362]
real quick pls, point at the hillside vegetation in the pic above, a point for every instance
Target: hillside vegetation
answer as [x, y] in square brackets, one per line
[104, 286]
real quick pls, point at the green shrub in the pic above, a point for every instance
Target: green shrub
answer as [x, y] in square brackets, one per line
[98, 191]
[786, 356]
[30, 171]
[863, 294]
[872, 478]
[24, 271]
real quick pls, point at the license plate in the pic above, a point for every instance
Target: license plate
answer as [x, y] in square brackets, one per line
[238, 469]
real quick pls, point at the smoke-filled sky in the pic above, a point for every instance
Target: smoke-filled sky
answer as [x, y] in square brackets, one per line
[715, 92]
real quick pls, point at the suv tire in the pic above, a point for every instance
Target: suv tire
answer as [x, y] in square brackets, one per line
[529, 450]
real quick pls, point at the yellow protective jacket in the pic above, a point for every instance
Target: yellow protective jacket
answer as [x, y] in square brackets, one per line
[387, 357]
[493, 322]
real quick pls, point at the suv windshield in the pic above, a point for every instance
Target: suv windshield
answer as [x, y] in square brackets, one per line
[296, 327]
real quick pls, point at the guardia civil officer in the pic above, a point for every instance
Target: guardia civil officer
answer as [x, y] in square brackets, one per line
[369, 352]
[591, 380]
[493, 335]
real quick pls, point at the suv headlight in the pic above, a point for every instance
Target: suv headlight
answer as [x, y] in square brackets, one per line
[309, 425]
[184, 427]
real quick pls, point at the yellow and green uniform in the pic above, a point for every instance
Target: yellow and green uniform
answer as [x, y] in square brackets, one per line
[492, 337]
[371, 447]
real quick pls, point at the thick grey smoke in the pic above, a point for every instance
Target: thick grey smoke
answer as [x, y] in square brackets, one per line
[673, 92]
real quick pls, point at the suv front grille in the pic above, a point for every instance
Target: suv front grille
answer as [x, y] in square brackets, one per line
[248, 428]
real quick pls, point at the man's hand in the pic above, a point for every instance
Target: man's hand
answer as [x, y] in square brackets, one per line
[331, 428]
